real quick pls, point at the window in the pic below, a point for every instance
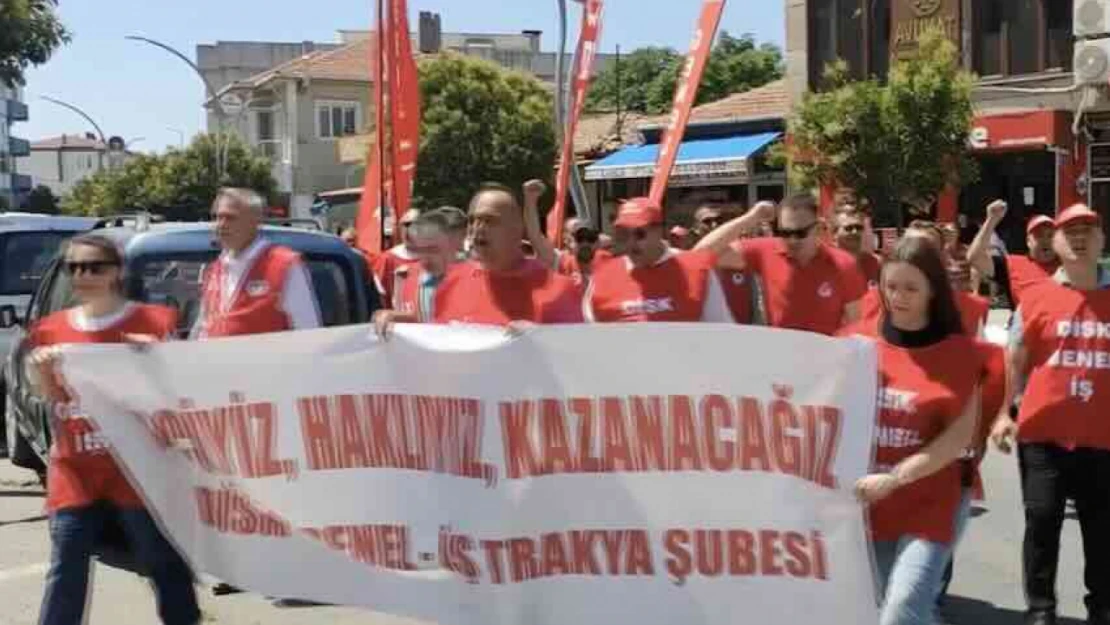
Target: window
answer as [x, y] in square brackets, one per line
[855, 31]
[24, 259]
[337, 119]
[264, 125]
[1015, 37]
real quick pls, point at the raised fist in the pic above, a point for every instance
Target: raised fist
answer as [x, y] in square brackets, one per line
[534, 189]
[764, 211]
[996, 210]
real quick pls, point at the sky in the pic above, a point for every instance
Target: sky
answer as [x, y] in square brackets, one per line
[152, 99]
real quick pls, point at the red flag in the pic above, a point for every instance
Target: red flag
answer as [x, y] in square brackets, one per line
[686, 92]
[369, 224]
[405, 108]
[583, 67]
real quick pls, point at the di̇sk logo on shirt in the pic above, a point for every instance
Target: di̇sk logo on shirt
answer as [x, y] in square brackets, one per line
[257, 288]
[825, 290]
[647, 306]
[898, 401]
[738, 278]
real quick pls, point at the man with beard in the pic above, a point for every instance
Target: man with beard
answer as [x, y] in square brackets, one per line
[1015, 273]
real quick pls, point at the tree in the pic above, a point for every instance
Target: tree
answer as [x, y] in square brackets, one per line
[30, 31]
[42, 200]
[648, 76]
[180, 184]
[480, 123]
[897, 145]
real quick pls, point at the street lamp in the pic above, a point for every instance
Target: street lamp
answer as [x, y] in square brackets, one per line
[73, 108]
[180, 136]
[221, 115]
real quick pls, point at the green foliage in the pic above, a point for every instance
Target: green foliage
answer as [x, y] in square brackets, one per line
[648, 76]
[42, 200]
[481, 123]
[29, 33]
[180, 184]
[896, 144]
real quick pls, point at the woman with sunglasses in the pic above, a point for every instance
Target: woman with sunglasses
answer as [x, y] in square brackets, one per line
[85, 486]
[928, 406]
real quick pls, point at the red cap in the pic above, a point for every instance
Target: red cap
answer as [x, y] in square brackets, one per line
[639, 212]
[1077, 213]
[1037, 222]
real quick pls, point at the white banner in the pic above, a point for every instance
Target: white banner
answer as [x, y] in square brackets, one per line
[591, 474]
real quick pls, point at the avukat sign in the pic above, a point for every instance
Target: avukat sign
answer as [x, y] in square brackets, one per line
[685, 94]
[391, 164]
[589, 37]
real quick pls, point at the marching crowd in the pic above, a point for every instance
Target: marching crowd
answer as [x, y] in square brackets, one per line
[944, 391]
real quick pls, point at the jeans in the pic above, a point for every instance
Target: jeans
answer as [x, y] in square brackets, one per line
[963, 516]
[74, 533]
[910, 572]
[1049, 476]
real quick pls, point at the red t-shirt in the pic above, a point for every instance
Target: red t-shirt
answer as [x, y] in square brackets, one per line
[1026, 272]
[973, 309]
[739, 292]
[384, 267]
[922, 391]
[870, 265]
[81, 469]
[673, 290]
[566, 264]
[811, 297]
[471, 294]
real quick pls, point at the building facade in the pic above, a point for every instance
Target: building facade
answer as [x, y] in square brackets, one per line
[1041, 117]
[14, 186]
[307, 106]
[61, 162]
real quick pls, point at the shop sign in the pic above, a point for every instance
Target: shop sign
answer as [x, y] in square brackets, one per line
[912, 19]
[1100, 162]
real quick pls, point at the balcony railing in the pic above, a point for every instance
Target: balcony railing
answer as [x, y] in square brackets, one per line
[16, 110]
[22, 183]
[271, 149]
[19, 147]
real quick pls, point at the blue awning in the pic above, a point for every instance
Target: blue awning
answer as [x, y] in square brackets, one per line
[696, 157]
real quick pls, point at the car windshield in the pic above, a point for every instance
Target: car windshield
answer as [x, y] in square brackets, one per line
[24, 257]
[175, 281]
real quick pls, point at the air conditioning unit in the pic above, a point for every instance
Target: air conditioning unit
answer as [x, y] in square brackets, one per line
[1092, 62]
[1092, 18]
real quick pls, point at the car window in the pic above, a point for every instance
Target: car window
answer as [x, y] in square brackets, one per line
[176, 282]
[24, 258]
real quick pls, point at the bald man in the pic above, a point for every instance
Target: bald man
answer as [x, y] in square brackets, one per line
[500, 286]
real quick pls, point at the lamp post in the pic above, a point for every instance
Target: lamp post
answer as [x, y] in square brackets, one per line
[75, 109]
[180, 136]
[221, 115]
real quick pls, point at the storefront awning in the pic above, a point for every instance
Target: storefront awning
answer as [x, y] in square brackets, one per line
[696, 157]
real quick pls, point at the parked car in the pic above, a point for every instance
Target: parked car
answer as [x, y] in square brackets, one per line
[164, 266]
[28, 243]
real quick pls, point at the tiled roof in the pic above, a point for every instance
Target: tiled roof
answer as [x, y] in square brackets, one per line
[597, 133]
[767, 102]
[350, 62]
[74, 142]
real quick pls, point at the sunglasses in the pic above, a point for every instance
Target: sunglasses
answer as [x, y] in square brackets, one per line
[585, 237]
[710, 221]
[639, 234]
[93, 268]
[798, 233]
[853, 229]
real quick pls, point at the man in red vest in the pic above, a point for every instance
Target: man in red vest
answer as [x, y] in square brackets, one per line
[386, 263]
[415, 285]
[654, 282]
[1060, 342]
[500, 286]
[255, 286]
[1015, 273]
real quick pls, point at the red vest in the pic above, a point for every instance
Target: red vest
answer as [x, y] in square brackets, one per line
[471, 294]
[384, 267]
[673, 290]
[1067, 339]
[923, 391]
[406, 290]
[81, 469]
[256, 304]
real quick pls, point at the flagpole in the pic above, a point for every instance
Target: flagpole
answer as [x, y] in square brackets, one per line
[380, 114]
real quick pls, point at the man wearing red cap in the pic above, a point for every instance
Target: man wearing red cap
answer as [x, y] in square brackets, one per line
[1015, 273]
[653, 282]
[806, 284]
[1060, 343]
[500, 285]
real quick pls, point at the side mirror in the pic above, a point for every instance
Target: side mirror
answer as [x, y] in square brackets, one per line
[9, 318]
